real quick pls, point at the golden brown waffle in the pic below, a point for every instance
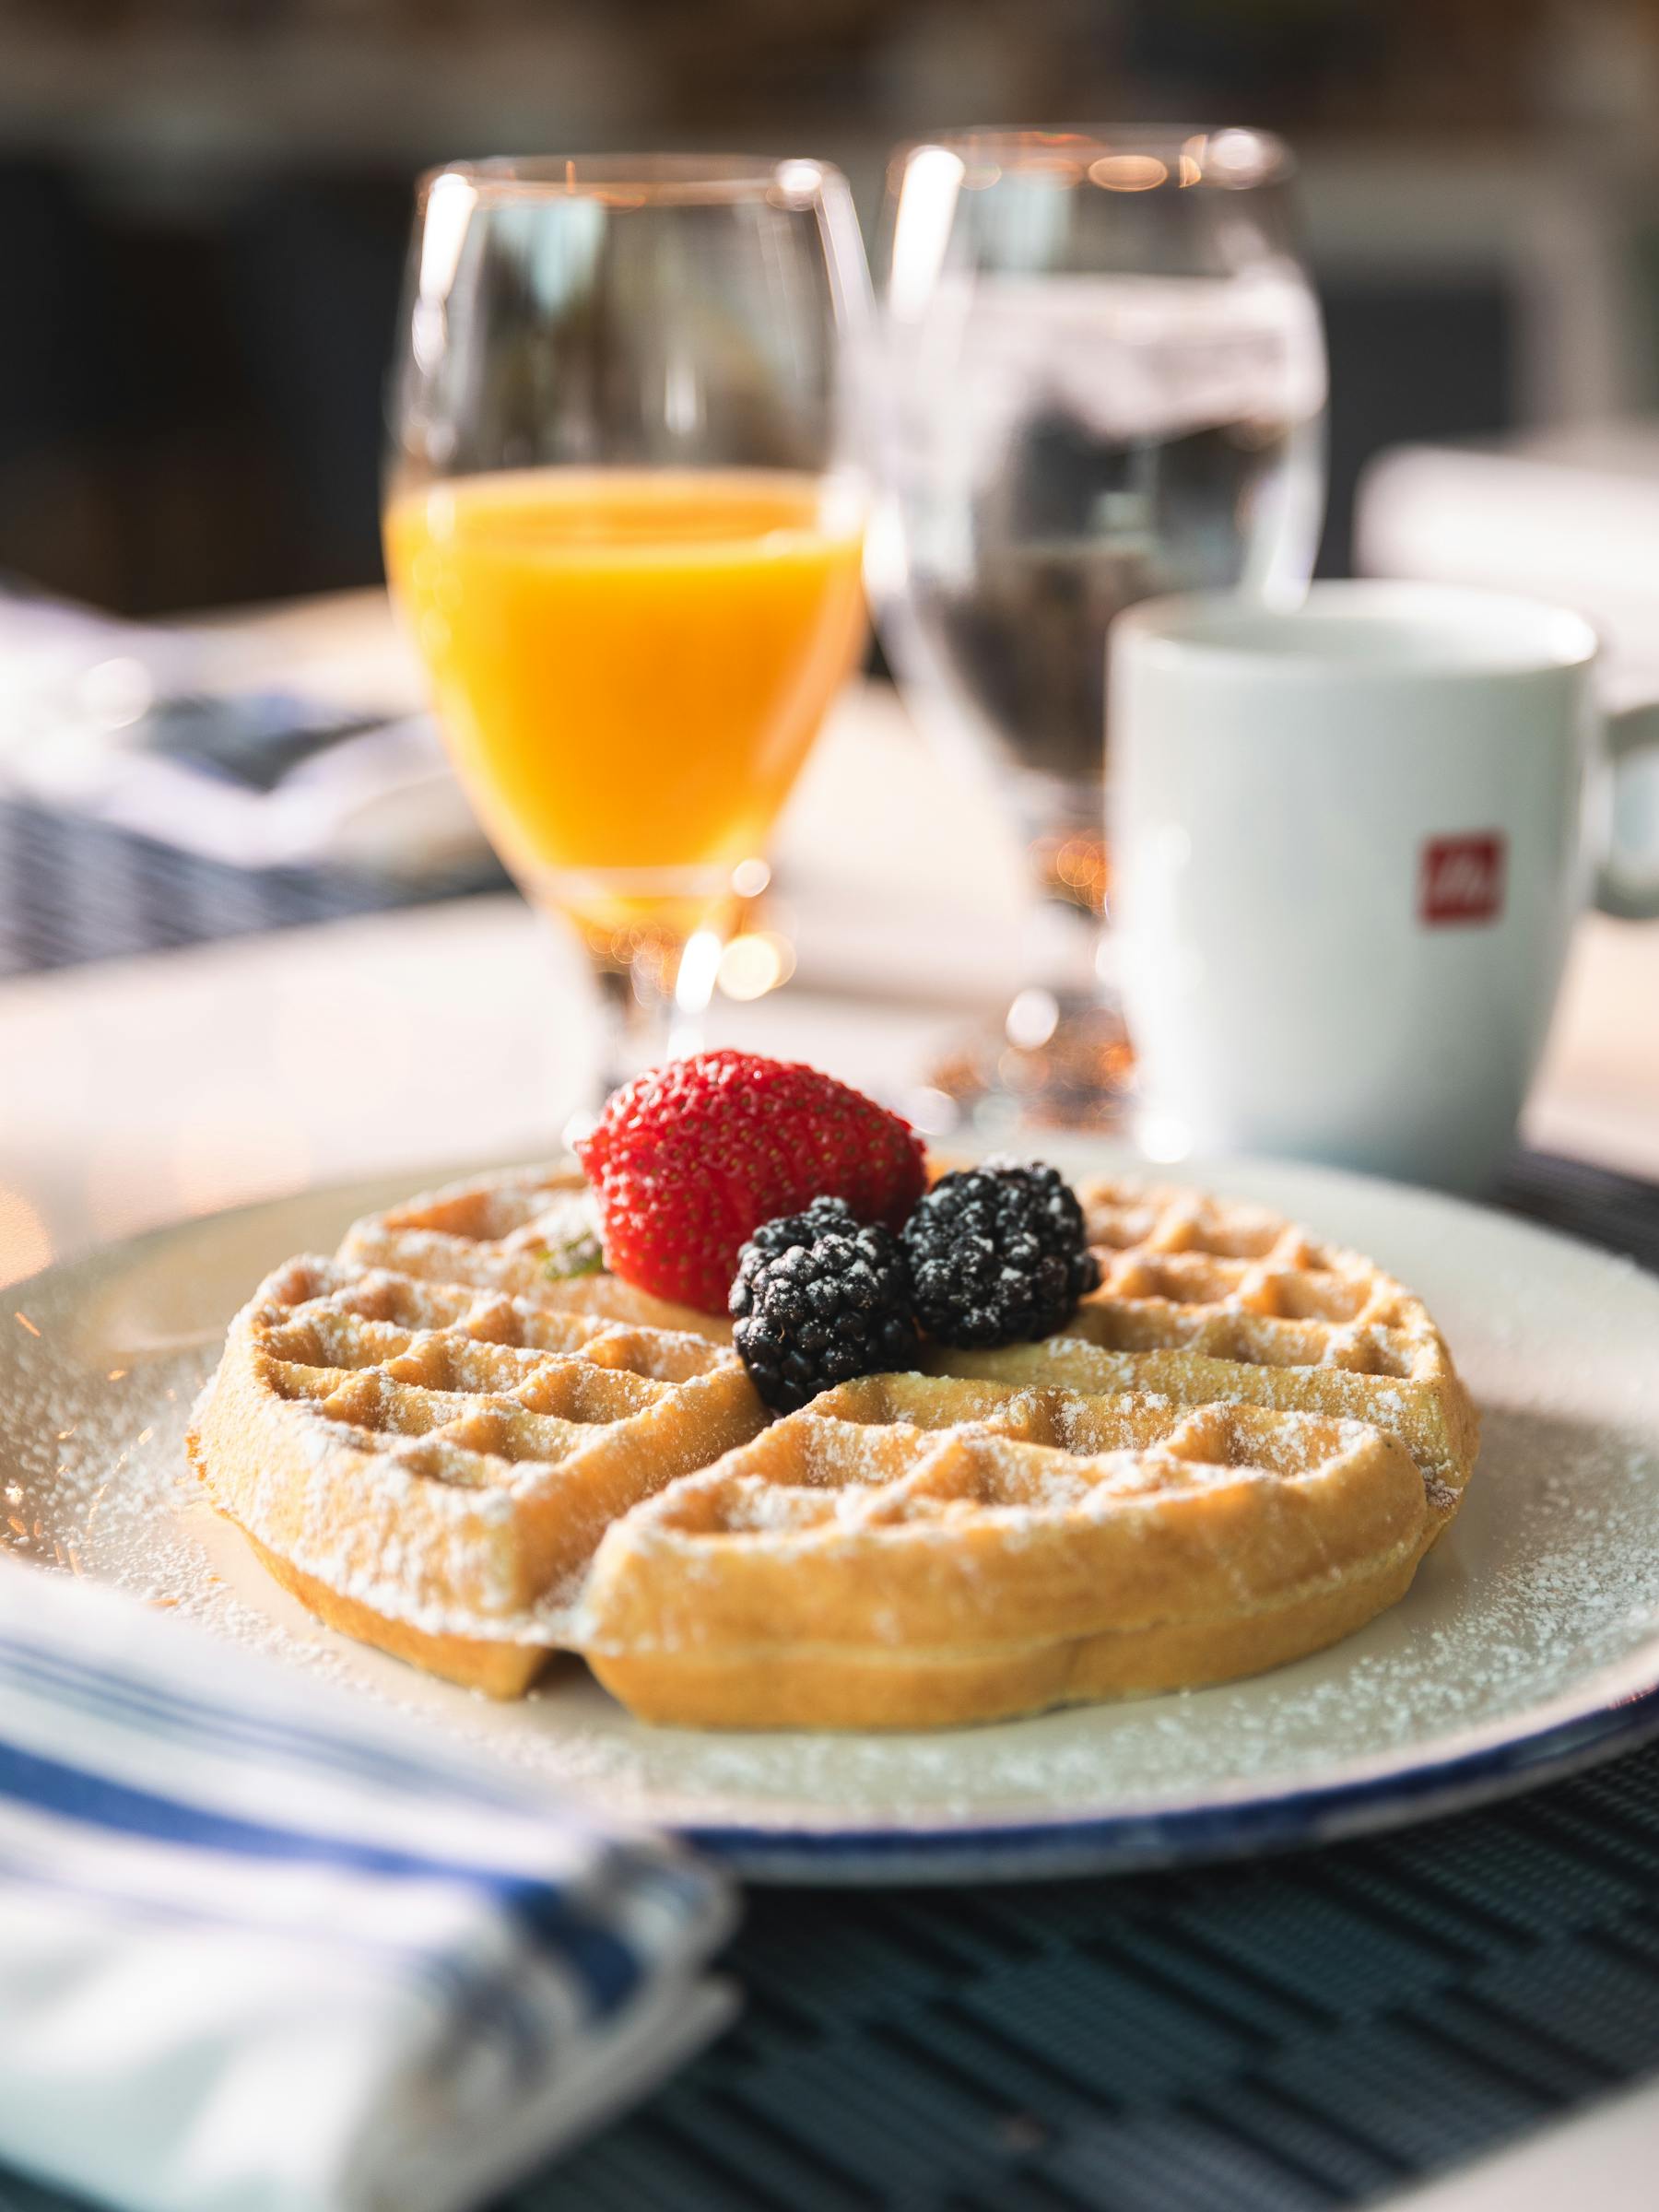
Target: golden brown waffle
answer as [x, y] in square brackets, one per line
[910, 1551]
[1207, 1301]
[506, 1232]
[430, 1465]
[446, 1447]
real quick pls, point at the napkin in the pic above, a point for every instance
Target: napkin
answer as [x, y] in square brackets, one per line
[264, 1949]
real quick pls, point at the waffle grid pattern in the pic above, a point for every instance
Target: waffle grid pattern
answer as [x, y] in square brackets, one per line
[460, 1360]
[487, 1391]
[912, 1551]
[457, 1454]
[506, 1233]
[1179, 1270]
[1203, 1298]
[897, 1448]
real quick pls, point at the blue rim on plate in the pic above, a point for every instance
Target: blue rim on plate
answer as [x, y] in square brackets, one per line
[1129, 1842]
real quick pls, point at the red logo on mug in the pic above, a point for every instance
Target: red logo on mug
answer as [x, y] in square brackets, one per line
[1461, 878]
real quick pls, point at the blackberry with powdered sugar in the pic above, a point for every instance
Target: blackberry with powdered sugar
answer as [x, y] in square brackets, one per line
[998, 1253]
[819, 1298]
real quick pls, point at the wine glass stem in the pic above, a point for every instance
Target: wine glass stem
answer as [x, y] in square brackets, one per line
[653, 1006]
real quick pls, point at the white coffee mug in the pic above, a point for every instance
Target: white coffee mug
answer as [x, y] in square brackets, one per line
[1348, 844]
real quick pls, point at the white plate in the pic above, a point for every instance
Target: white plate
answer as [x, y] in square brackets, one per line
[1529, 1641]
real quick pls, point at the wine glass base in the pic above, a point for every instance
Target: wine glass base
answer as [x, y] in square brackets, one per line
[1081, 1076]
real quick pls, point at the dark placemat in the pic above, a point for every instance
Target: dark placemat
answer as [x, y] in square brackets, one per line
[1312, 2030]
[1619, 1211]
[74, 890]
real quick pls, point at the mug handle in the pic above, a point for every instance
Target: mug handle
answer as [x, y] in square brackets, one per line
[1628, 886]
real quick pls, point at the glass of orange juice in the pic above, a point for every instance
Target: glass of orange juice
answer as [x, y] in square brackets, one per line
[624, 521]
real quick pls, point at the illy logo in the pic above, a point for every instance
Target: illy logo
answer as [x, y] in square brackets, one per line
[1461, 878]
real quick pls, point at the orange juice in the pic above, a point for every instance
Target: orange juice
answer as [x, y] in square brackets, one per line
[629, 665]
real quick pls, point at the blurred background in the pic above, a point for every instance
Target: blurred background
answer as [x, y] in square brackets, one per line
[204, 216]
[205, 205]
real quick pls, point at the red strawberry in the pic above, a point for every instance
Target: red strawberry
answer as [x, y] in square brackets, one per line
[688, 1160]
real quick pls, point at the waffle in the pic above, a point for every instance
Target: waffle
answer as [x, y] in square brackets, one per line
[1236, 1454]
[498, 1232]
[429, 1466]
[1206, 1301]
[911, 1551]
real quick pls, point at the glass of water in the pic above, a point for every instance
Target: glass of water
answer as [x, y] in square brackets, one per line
[1103, 379]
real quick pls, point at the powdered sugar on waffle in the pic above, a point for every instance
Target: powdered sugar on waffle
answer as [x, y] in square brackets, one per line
[1547, 1588]
[1552, 1572]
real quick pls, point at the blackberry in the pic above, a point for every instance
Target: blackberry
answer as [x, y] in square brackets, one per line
[819, 1298]
[999, 1253]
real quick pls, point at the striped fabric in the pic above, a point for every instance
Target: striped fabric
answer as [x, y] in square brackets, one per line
[258, 1953]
